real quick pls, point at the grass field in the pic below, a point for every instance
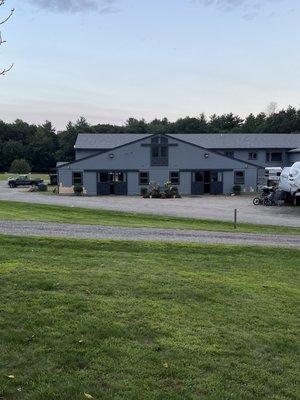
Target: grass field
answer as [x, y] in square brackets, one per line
[121, 320]
[40, 212]
[4, 177]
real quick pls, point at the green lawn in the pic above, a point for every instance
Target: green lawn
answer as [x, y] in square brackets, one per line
[123, 320]
[4, 177]
[40, 212]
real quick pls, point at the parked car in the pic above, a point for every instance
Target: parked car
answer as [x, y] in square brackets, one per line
[23, 180]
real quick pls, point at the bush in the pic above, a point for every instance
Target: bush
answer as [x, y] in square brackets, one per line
[78, 190]
[168, 191]
[144, 191]
[20, 166]
[237, 189]
[154, 190]
[171, 191]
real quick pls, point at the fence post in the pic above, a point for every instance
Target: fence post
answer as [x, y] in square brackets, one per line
[235, 218]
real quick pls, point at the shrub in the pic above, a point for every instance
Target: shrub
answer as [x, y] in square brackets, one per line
[171, 191]
[144, 191]
[20, 166]
[154, 190]
[237, 189]
[78, 190]
[166, 192]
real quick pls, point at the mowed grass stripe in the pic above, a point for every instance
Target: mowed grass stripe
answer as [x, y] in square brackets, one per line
[41, 212]
[122, 320]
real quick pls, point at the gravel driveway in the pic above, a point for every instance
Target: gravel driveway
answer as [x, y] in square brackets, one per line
[207, 207]
[48, 229]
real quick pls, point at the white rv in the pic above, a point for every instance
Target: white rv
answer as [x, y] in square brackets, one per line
[290, 179]
[284, 180]
[294, 178]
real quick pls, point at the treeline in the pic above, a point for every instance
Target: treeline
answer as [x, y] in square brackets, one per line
[41, 146]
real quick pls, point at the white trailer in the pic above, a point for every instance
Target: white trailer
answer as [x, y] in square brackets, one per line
[294, 178]
[290, 182]
[284, 180]
[272, 175]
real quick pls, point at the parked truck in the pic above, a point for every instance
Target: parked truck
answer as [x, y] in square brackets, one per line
[23, 180]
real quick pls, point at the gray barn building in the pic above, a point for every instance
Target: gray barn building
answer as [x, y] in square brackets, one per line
[123, 164]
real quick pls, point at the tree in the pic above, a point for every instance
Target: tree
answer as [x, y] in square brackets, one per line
[67, 139]
[159, 126]
[250, 125]
[225, 123]
[11, 150]
[191, 125]
[42, 147]
[20, 166]
[136, 126]
[5, 70]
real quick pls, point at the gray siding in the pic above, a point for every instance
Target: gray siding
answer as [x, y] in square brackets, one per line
[243, 154]
[80, 153]
[185, 186]
[136, 156]
[133, 157]
[227, 182]
[90, 183]
[250, 180]
[133, 183]
[65, 177]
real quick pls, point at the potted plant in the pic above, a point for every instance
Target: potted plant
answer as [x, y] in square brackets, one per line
[237, 189]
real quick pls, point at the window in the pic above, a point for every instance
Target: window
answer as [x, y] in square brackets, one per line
[111, 176]
[144, 178]
[164, 152]
[159, 150]
[155, 151]
[239, 177]
[119, 177]
[229, 153]
[252, 155]
[77, 178]
[175, 177]
[274, 157]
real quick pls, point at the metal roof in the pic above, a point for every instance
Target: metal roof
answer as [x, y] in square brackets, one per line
[106, 140]
[242, 140]
[207, 140]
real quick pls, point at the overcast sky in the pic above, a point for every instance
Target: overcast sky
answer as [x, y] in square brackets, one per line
[109, 60]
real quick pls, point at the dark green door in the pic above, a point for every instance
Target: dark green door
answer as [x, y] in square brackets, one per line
[207, 182]
[111, 183]
[103, 189]
[120, 188]
[216, 184]
[197, 183]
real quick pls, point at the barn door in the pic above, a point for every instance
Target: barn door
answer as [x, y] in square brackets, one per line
[216, 184]
[112, 183]
[197, 183]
